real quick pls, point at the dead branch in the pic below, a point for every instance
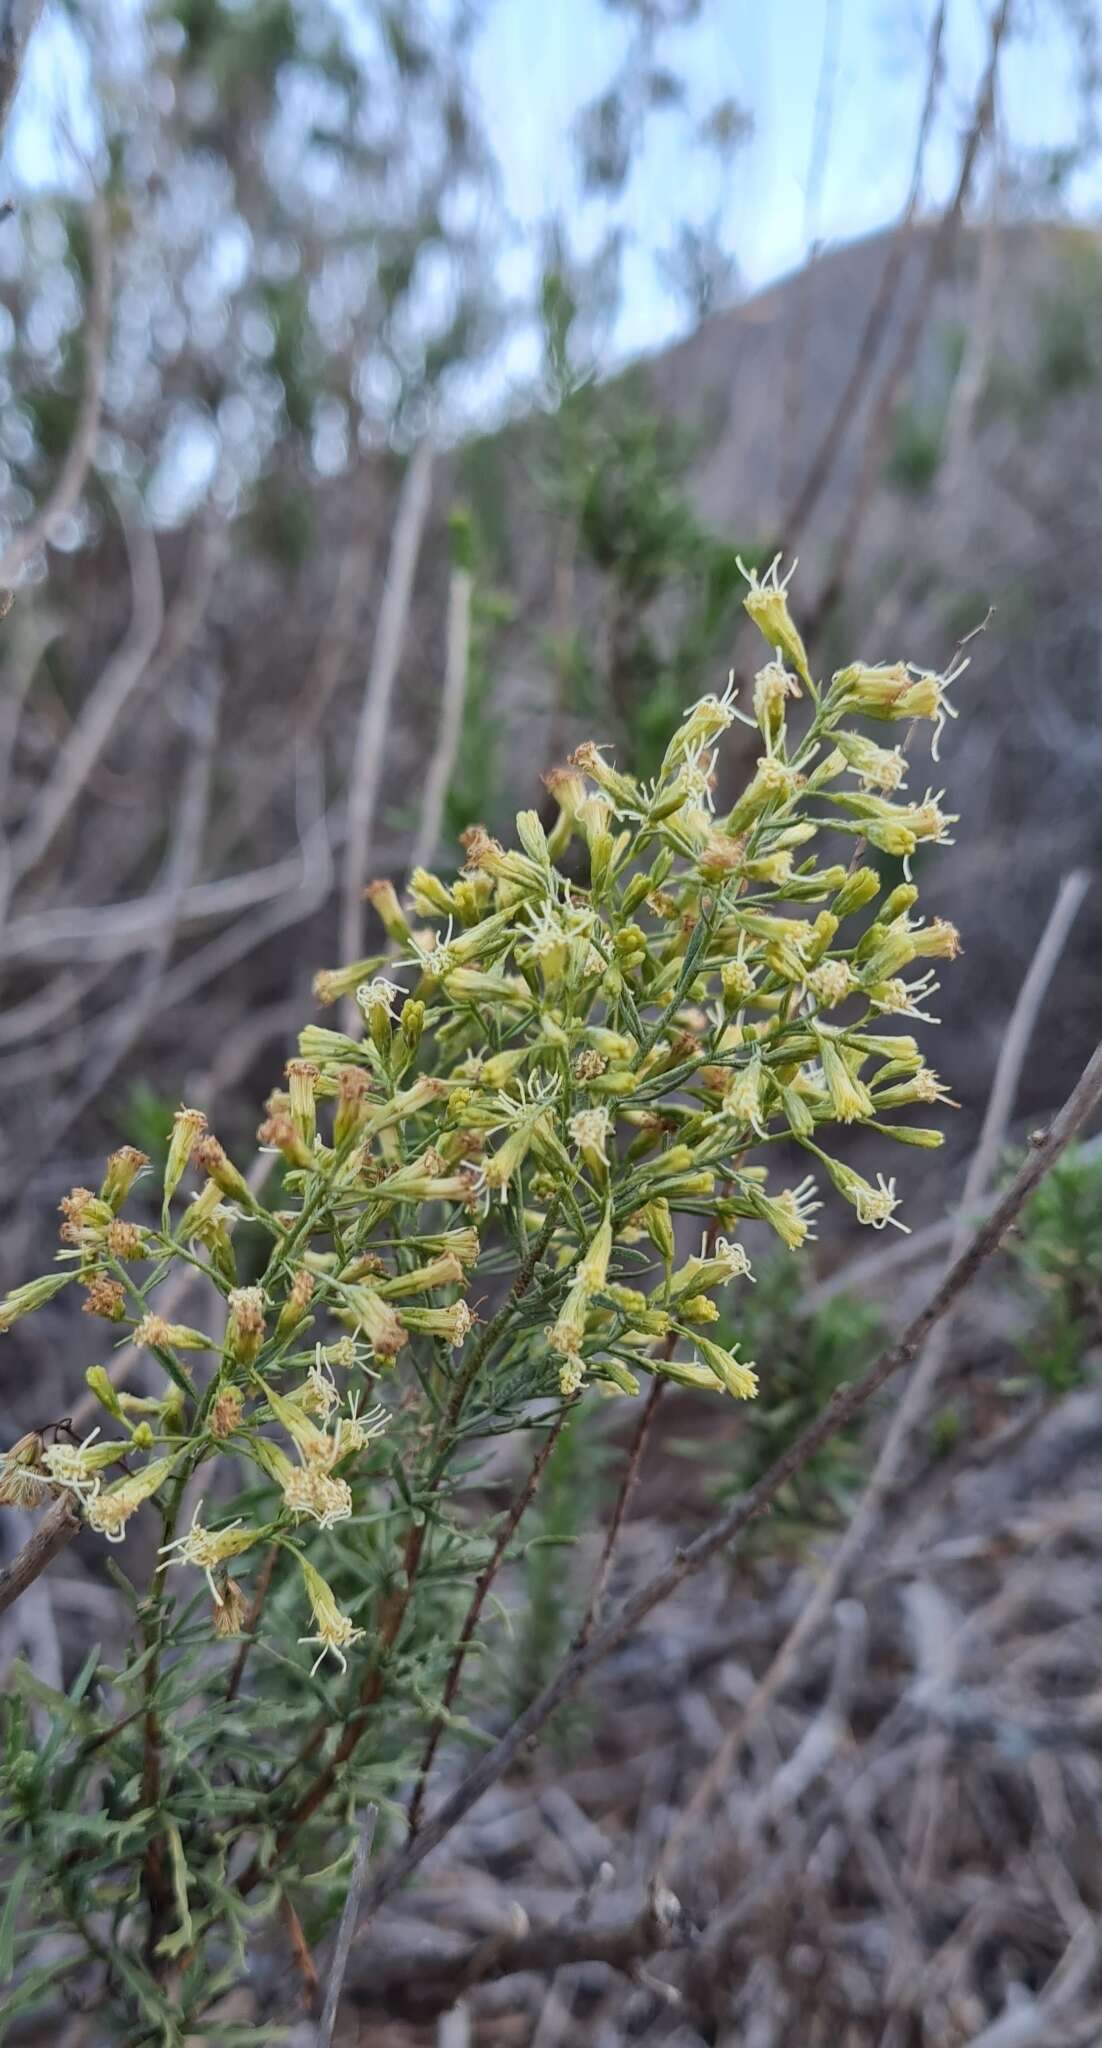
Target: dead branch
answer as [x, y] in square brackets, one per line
[347, 1928]
[104, 707]
[185, 851]
[55, 1530]
[423, 1987]
[599, 1589]
[510, 1524]
[318, 686]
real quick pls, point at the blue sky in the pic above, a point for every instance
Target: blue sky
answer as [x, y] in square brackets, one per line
[864, 60]
[840, 79]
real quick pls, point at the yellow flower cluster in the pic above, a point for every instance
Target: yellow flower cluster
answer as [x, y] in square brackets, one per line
[577, 1041]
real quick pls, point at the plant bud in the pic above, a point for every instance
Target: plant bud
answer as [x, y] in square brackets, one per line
[568, 791]
[412, 1023]
[245, 1329]
[123, 1168]
[226, 1411]
[331, 983]
[857, 890]
[188, 1126]
[22, 1480]
[659, 1227]
[100, 1384]
[430, 896]
[303, 1077]
[766, 602]
[210, 1158]
[384, 901]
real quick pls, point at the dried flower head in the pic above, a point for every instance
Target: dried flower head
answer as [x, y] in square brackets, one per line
[106, 1298]
[22, 1481]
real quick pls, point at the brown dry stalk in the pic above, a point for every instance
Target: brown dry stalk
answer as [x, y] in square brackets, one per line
[488, 1574]
[54, 1531]
[252, 1623]
[592, 1613]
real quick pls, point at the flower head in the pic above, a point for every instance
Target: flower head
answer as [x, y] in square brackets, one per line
[208, 1548]
[334, 1630]
[108, 1512]
[22, 1482]
[590, 1130]
[766, 602]
[78, 1466]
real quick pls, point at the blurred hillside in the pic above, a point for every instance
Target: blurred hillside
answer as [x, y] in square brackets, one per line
[249, 681]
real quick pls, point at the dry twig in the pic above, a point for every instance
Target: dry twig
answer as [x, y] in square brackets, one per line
[55, 1530]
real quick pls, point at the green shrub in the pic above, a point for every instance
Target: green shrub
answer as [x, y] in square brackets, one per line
[474, 1229]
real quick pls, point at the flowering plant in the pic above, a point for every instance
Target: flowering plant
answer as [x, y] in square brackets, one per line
[578, 1043]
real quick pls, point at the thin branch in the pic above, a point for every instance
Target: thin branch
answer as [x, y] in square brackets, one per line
[794, 369]
[78, 456]
[442, 765]
[55, 1530]
[486, 1577]
[395, 1607]
[252, 1622]
[873, 1269]
[841, 1410]
[595, 1604]
[423, 1987]
[916, 1395]
[347, 1928]
[95, 932]
[102, 710]
[181, 863]
[367, 761]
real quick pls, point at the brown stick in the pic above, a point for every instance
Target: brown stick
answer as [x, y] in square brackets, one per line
[592, 1613]
[300, 1949]
[438, 1978]
[347, 1929]
[54, 1531]
[488, 1574]
[252, 1622]
[845, 1405]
